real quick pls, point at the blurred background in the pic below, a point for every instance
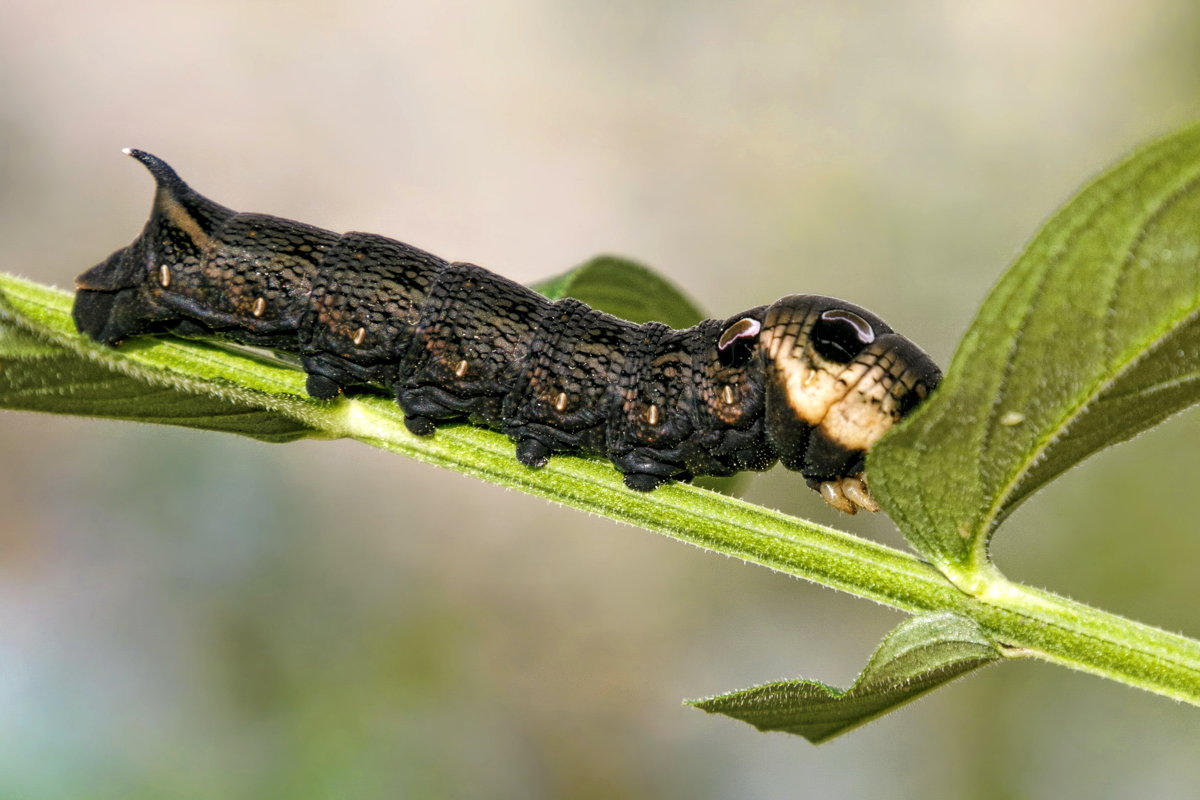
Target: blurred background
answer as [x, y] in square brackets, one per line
[188, 615]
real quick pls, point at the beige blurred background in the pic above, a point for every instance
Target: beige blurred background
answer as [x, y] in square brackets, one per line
[194, 615]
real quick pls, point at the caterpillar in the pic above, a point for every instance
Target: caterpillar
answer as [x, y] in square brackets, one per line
[809, 381]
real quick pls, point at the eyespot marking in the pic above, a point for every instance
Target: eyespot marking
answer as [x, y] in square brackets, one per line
[862, 328]
[746, 328]
[839, 335]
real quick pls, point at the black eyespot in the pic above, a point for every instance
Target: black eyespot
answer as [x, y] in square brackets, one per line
[736, 344]
[840, 335]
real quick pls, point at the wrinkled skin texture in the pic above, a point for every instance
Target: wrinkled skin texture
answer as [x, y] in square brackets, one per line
[809, 381]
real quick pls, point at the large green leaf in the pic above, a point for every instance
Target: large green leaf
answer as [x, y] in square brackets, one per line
[921, 654]
[1092, 336]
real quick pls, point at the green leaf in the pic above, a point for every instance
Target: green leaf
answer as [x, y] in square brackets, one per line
[57, 371]
[921, 654]
[1092, 336]
[624, 289]
[62, 383]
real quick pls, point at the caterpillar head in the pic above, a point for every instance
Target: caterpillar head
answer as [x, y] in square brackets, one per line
[837, 377]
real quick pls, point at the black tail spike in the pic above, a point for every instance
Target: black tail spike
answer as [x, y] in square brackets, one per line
[204, 212]
[164, 176]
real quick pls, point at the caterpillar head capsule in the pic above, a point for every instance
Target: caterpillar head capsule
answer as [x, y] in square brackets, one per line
[837, 377]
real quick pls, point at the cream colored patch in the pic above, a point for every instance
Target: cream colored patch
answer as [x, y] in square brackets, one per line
[560, 402]
[850, 403]
[866, 412]
[181, 219]
[727, 395]
[164, 275]
[461, 369]
[260, 305]
[811, 389]
[360, 336]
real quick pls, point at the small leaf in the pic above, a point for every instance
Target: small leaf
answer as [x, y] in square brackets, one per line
[921, 654]
[624, 289]
[1092, 336]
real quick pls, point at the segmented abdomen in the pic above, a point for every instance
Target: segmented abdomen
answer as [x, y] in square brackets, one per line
[811, 379]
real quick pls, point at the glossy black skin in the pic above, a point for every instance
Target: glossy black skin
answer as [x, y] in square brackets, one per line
[454, 341]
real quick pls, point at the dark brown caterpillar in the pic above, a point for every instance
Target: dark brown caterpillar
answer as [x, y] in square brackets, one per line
[810, 381]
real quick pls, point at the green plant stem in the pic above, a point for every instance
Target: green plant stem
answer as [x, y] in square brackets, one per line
[1027, 621]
